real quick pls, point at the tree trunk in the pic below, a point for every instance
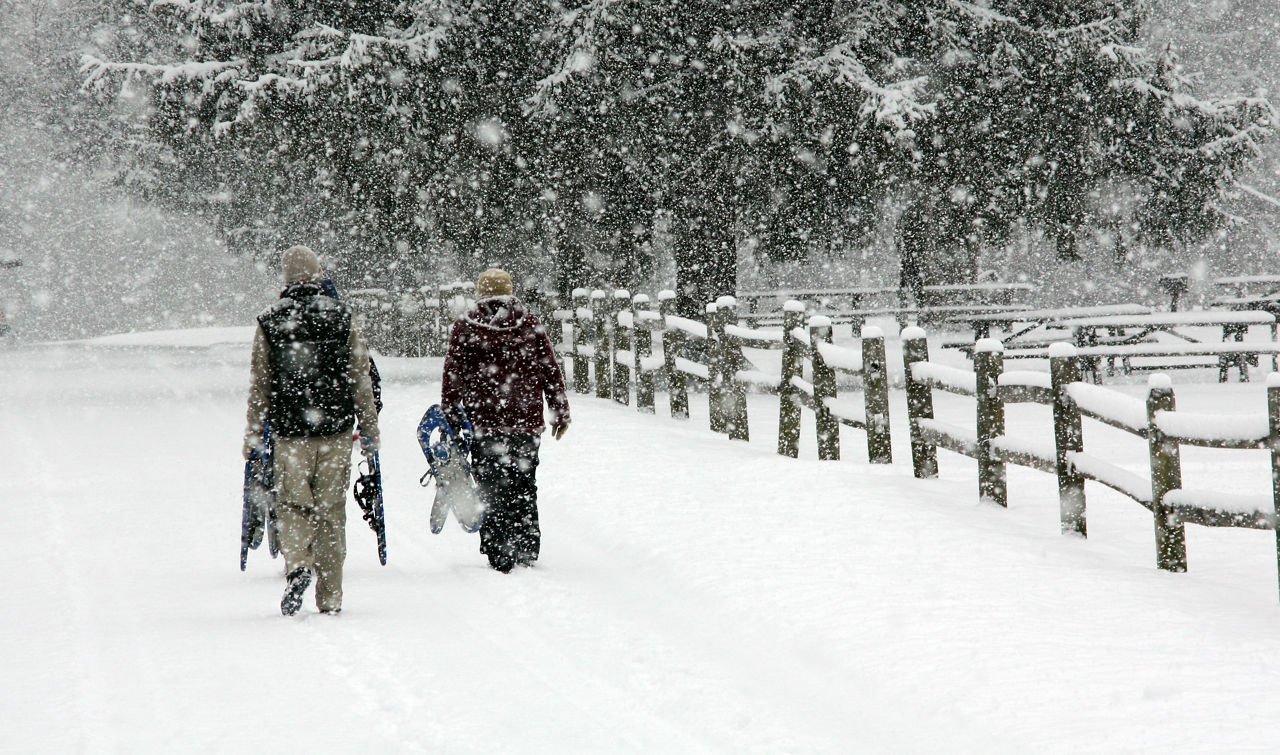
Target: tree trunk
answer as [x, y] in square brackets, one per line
[706, 257]
[1066, 243]
[572, 267]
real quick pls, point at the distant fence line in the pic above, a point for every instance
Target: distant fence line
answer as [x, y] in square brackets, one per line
[410, 322]
[608, 345]
[416, 321]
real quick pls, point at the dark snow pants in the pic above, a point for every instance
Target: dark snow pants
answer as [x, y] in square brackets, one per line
[505, 466]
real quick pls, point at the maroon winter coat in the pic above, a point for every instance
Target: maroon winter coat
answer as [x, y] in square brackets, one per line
[499, 366]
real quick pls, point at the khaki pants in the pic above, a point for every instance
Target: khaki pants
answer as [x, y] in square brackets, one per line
[311, 476]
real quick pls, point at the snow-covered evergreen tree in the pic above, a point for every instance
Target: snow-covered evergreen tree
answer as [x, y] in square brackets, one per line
[516, 131]
[1041, 104]
[383, 131]
[766, 118]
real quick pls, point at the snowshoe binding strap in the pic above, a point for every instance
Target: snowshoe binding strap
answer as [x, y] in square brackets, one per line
[366, 494]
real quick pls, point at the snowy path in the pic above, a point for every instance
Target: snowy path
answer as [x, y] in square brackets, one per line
[695, 595]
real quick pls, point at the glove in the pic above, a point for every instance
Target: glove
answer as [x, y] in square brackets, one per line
[558, 430]
[367, 449]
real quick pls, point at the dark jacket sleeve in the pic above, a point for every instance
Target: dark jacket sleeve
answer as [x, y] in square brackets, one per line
[451, 380]
[552, 379]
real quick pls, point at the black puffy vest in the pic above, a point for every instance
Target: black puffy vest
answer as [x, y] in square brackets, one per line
[309, 334]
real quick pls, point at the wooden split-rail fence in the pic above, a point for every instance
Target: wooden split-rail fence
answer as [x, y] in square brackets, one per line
[609, 345]
[1155, 420]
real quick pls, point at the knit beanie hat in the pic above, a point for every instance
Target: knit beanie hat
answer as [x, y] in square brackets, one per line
[494, 282]
[300, 264]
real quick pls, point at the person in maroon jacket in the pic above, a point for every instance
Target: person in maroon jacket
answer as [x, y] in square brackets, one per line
[499, 367]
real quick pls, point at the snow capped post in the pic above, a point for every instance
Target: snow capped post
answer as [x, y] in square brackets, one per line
[600, 315]
[642, 349]
[731, 359]
[1273, 441]
[1068, 437]
[824, 387]
[875, 382]
[620, 355]
[717, 397]
[988, 363]
[581, 338]
[792, 368]
[924, 455]
[445, 313]
[403, 323]
[672, 343]
[548, 302]
[1166, 475]
[433, 329]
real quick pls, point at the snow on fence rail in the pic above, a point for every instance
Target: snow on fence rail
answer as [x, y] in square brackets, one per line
[1156, 421]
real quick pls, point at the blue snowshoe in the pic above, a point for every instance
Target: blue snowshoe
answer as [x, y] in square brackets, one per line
[258, 516]
[368, 493]
[448, 452]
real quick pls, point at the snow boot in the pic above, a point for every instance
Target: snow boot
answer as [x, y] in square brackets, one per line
[299, 580]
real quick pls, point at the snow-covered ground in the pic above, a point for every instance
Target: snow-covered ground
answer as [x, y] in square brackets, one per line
[694, 595]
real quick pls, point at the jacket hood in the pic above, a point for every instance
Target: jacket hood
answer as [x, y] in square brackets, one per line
[497, 313]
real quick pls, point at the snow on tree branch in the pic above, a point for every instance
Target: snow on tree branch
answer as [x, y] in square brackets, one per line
[97, 70]
[1103, 28]
[308, 60]
[579, 58]
[233, 19]
[897, 104]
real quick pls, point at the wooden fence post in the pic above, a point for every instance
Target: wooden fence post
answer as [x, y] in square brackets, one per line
[642, 348]
[735, 391]
[1166, 475]
[1068, 436]
[824, 387]
[1273, 418]
[581, 336]
[542, 305]
[988, 363]
[717, 398]
[621, 342]
[603, 357]
[549, 303]
[924, 455]
[792, 367]
[875, 386]
[672, 343]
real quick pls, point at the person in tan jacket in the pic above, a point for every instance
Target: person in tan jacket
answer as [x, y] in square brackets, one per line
[309, 377]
